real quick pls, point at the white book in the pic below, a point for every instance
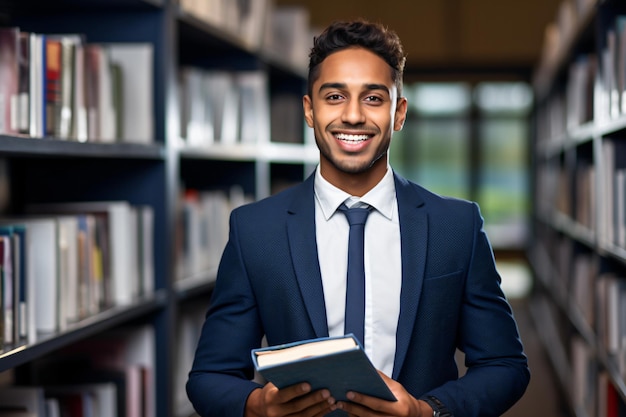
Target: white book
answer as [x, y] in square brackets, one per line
[133, 255]
[69, 285]
[197, 109]
[36, 86]
[620, 196]
[146, 252]
[223, 95]
[80, 128]
[137, 94]
[53, 408]
[42, 282]
[252, 22]
[254, 109]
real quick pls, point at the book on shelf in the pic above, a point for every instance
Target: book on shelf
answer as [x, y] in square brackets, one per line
[254, 107]
[121, 234]
[99, 86]
[38, 313]
[210, 109]
[252, 17]
[145, 251]
[66, 113]
[88, 399]
[222, 96]
[9, 79]
[25, 399]
[584, 375]
[338, 364]
[620, 33]
[63, 266]
[287, 118]
[60, 85]
[620, 208]
[135, 90]
[187, 335]
[609, 402]
[611, 321]
[242, 19]
[8, 281]
[197, 111]
[20, 270]
[24, 87]
[118, 363]
[288, 34]
[582, 285]
[580, 90]
[613, 151]
[609, 77]
[203, 228]
[53, 89]
[131, 350]
[37, 85]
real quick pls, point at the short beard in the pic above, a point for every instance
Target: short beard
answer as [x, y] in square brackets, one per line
[347, 168]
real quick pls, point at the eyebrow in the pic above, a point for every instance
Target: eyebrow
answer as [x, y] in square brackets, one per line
[372, 86]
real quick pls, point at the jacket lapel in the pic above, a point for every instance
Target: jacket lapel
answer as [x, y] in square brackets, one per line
[413, 232]
[303, 246]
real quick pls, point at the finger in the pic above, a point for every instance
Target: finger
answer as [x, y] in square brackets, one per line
[353, 409]
[287, 394]
[320, 409]
[318, 402]
[361, 405]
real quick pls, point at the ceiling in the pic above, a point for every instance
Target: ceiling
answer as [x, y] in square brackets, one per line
[452, 37]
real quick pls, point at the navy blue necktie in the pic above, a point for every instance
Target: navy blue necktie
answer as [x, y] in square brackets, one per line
[355, 286]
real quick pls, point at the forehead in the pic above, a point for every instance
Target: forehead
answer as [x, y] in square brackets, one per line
[355, 66]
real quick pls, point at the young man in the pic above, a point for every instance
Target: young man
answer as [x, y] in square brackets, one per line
[431, 281]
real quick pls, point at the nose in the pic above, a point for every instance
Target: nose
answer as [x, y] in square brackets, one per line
[353, 113]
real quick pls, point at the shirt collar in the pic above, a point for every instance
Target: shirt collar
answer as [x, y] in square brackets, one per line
[382, 197]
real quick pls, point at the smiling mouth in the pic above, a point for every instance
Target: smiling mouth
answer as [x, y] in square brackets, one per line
[351, 138]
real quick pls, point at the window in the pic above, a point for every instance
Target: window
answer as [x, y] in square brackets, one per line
[471, 141]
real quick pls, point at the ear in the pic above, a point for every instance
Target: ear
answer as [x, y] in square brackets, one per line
[308, 110]
[400, 116]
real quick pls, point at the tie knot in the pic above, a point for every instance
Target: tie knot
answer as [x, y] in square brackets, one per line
[356, 215]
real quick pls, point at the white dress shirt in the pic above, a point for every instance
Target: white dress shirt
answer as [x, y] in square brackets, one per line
[383, 265]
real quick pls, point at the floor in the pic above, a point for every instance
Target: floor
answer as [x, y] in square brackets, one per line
[542, 395]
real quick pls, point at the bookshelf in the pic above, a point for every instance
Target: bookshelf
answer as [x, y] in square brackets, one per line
[578, 249]
[185, 183]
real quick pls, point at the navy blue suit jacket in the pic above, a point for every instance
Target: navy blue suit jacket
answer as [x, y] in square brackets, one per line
[269, 283]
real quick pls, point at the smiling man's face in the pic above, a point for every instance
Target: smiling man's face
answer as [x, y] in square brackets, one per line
[354, 109]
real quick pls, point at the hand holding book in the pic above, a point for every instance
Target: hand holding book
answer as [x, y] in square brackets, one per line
[338, 364]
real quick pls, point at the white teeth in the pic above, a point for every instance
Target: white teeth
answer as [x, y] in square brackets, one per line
[351, 138]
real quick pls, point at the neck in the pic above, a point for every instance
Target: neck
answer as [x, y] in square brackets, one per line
[357, 184]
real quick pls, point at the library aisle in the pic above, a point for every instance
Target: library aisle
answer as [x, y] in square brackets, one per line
[542, 396]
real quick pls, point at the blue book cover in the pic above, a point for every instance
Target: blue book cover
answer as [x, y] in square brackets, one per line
[337, 363]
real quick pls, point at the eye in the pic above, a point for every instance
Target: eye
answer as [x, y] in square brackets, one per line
[373, 99]
[334, 97]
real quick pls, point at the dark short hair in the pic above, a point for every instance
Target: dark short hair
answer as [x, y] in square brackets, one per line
[360, 33]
